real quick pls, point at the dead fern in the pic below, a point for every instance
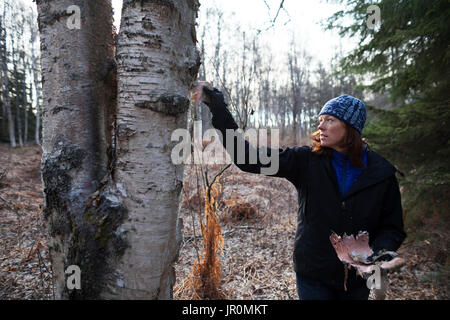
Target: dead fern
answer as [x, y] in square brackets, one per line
[204, 281]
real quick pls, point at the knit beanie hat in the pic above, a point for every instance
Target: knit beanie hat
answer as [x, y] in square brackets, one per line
[348, 109]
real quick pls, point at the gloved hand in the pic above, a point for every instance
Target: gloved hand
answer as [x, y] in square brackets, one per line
[382, 255]
[216, 99]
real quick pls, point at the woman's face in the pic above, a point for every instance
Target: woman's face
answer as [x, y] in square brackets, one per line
[332, 132]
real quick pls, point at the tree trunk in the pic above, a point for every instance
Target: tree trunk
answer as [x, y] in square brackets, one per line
[35, 67]
[6, 97]
[18, 81]
[77, 92]
[37, 90]
[119, 229]
[25, 100]
[3, 124]
[157, 62]
[204, 112]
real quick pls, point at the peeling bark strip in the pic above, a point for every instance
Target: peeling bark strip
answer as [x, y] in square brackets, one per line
[157, 62]
[78, 105]
[168, 104]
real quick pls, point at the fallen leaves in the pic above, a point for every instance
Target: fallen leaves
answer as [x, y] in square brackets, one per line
[257, 263]
[257, 253]
[24, 264]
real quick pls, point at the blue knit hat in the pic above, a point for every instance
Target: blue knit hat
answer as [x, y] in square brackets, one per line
[348, 109]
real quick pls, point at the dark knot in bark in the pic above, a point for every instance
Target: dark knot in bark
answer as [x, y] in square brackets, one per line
[170, 104]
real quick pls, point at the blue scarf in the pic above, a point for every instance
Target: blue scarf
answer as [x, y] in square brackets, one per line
[346, 173]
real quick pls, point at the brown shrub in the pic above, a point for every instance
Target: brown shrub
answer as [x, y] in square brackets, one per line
[238, 210]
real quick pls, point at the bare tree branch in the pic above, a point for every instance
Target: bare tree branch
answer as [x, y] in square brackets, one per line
[272, 21]
[276, 16]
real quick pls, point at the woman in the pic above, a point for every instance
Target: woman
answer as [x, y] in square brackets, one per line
[342, 187]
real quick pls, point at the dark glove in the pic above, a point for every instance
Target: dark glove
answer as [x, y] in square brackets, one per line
[382, 255]
[216, 99]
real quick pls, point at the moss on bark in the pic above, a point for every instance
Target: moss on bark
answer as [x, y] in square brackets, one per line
[86, 231]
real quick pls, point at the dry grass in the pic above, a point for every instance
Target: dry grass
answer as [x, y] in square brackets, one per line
[258, 243]
[25, 271]
[258, 229]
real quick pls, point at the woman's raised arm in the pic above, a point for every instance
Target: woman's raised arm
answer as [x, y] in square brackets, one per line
[286, 163]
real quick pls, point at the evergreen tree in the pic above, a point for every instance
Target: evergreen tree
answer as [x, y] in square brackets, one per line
[407, 53]
[407, 56]
[19, 79]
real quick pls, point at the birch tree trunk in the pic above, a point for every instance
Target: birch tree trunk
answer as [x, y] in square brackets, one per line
[37, 90]
[38, 110]
[35, 68]
[25, 99]
[114, 217]
[157, 62]
[77, 93]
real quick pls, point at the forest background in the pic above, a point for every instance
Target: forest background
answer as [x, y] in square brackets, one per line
[399, 67]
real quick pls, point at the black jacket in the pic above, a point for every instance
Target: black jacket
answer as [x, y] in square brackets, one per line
[372, 204]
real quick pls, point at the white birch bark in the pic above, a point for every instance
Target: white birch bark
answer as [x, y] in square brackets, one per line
[75, 66]
[17, 103]
[37, 90]
[157, 61]
[36, 72]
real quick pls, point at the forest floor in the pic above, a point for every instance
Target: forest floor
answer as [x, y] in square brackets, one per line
[257, 215]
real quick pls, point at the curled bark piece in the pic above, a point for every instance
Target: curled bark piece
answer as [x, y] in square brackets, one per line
[353, 252]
